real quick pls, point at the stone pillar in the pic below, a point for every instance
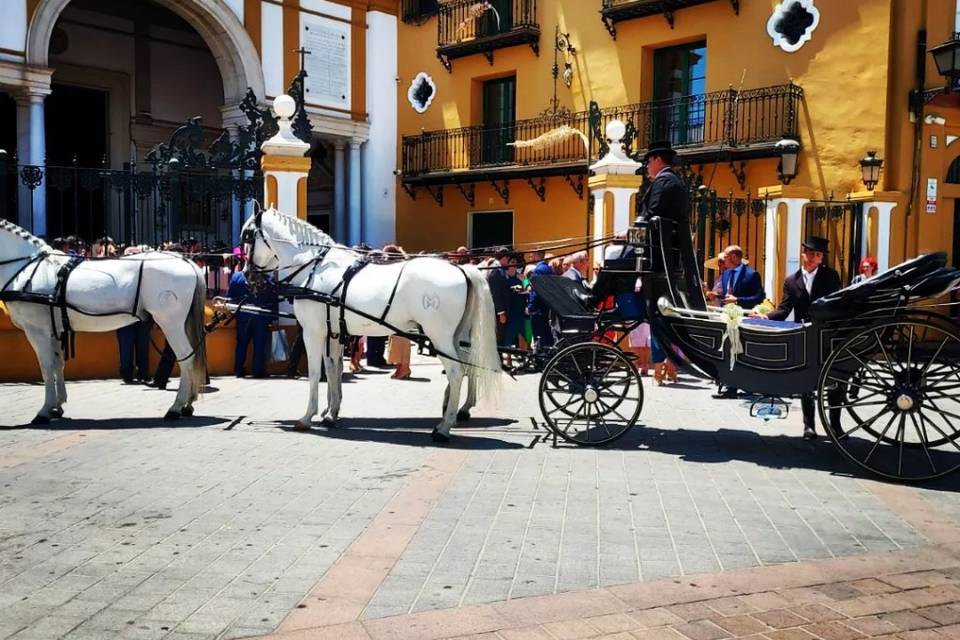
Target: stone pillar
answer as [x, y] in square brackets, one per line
[614, 173]
[793, 199]
[770, 249]
[339, 193]
[884, 215]
[32, 150]
[284, 166]
[794, 229]
[356, 211]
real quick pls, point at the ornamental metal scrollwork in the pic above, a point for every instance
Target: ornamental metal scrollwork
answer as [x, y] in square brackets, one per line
[31, 176]
[595, 120]
[182, 148]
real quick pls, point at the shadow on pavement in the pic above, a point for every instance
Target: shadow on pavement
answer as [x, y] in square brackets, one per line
[89, 424]
[410, 432]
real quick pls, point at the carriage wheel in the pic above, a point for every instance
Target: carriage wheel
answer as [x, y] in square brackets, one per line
[590, 394]
[891, 395]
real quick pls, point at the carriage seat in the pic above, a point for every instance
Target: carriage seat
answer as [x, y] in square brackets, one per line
[567, 299]
[920, 277]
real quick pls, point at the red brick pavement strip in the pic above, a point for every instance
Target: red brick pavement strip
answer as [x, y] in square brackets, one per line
[903, 595]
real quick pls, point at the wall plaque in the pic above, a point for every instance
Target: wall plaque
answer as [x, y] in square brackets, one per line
[328, 61]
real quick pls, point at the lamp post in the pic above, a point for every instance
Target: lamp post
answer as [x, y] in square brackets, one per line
[870, 168]
[789, 151]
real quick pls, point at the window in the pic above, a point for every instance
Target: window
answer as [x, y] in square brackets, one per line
[679, 88]
[499, 117]
[491, 229]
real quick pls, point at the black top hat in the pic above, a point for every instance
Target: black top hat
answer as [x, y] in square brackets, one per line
[660, 148]
[816, 243]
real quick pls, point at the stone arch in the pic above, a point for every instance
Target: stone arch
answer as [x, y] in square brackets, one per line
[217, 24]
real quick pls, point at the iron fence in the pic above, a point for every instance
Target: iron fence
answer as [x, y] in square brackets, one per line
[713, 122]
[466, 20]
[840, 223]
[135, 204]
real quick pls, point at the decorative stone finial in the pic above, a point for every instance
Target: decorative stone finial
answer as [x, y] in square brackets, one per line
[616, 162]
[285, 143]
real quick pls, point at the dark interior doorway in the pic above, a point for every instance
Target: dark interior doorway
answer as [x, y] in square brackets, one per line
[956, 234]
[76, 120]
[8, 124]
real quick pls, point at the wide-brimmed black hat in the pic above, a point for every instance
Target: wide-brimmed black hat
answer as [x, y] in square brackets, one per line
[661, 148]
[816, 243]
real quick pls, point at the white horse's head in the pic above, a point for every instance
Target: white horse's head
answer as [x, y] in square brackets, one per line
[272, 240]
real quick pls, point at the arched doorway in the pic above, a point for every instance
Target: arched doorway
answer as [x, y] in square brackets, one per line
[953, 177]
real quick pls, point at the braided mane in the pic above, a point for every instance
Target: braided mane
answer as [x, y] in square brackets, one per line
[304, 232]
[20, 232]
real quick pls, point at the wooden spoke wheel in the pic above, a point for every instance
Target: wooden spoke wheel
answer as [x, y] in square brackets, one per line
[890, 398]
[590, 394]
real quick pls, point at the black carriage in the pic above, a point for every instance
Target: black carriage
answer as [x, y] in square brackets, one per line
[882, 359]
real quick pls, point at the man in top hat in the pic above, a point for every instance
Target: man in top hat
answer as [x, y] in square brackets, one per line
[667, 198]
[812, 281]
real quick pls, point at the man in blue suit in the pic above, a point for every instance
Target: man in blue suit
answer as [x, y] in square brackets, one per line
[740, 285]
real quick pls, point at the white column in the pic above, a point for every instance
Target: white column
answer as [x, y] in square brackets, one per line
[770, 249]
[356, 228]
[339, 193]
[865, 230]
[598, 219]
[794, 229]
[380, 150]
[621, 209]
[23, 157]
[884, 215]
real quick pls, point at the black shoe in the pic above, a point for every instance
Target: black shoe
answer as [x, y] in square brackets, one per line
[809, 433]
[128, 381]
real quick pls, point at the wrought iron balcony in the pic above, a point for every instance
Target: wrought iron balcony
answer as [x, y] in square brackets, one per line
[418, 11]
[720, 126]
[467, 27]
[615, 11]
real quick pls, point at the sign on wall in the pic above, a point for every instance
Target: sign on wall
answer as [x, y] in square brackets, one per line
[931, 195]
[328, 63]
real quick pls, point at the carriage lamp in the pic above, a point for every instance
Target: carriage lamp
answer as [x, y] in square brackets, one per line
[789, 151]
[947, 57]
[870, 167]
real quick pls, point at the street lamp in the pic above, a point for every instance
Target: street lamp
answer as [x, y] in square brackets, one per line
[870, 167]
[947, 57]
[789, 151]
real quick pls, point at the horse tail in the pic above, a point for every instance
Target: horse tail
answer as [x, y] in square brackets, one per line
[196, 334]
[484, 358]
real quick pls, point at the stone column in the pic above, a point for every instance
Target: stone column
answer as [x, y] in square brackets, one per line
[884, 215]
[32, 150]
[339, 193]
[284, 166]
[770, 249]
[356, 231]
[615, 173]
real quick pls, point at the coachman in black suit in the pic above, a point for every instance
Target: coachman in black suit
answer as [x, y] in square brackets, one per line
[798, 293]
[668, 199]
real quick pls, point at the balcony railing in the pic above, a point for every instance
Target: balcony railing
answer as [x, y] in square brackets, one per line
[614, 11]
[418, 11]
[467, 27]
[705, 128]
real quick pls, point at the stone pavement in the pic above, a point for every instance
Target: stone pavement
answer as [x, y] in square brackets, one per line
[229, 524]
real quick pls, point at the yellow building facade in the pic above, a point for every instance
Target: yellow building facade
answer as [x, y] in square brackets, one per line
[719, 80]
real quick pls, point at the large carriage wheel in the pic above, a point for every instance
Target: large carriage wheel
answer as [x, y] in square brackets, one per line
[890, 395]
[590, 394]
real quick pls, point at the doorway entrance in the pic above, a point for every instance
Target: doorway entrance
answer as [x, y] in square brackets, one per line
[491, 229]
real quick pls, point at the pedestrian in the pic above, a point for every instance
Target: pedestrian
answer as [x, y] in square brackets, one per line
[812, 281]
[538, 312]
[513, 329]
[499, 288]
[251, 327]
[718, 264]
[133, 343]
[868, 269]
[579, 262]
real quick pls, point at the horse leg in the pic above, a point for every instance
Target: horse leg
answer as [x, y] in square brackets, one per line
[451, 398]
[180, 343]
[46, 356]
[57, 411]
[464, 413]
[314, 342]
[334, 365]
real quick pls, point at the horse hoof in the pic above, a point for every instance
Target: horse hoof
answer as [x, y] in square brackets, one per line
[40, 420]
[56, 412]
[186, 411]
[463, 416]
[439, 438]
[171, 416]
[328, 422]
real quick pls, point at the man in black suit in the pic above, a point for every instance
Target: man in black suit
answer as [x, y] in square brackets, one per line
[667, 198]
[812, 281]
[500, 288]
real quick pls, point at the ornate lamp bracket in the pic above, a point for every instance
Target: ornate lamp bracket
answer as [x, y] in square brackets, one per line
[469, 193]
[410, 191]
[539, 189]
[503, 192]
[445, 61]
[611, 26]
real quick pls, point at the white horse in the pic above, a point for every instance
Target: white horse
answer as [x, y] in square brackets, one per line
[103, 295]
[451, 305]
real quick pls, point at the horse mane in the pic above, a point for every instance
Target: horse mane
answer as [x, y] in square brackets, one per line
[304, 232]
[20, 232]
